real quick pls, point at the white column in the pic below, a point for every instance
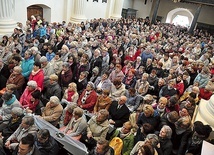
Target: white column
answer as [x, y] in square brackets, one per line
[117, 10]
[78, 14]
[205, 112]
[7, 23]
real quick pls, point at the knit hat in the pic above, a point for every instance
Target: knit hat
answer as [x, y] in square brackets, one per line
[91, 84]
[202, 129]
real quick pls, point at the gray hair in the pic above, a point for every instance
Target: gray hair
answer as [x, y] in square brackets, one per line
[65, 64]
[54, 99]
[18, 69]
[29, 120]
[153, 138]
[32, 83]
[168, 131]
[43, 59]
[35, 49]
[17, 111]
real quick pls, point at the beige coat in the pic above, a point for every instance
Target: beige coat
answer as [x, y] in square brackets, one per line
[97, 130]
[52, 114]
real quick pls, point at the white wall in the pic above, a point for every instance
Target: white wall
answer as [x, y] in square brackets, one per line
[95, 9]
[56, 14]
[128, 4]
[61, 9]
[143, 9]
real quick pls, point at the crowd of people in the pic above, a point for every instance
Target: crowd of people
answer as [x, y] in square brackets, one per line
[121, 86]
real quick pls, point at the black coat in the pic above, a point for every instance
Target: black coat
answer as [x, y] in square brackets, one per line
[48, 148]
[120, 116]
[165, 147]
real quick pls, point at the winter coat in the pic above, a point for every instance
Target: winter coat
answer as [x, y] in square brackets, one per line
[50, 147]
[89, 102]
[39, 78]
[52, 114]
[27, 67]
[98, 130]
[6, 109]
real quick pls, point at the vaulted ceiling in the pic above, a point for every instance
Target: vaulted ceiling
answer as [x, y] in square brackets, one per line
[204, 2]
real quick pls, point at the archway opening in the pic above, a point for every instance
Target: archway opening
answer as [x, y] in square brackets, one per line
[39, 10]
[181, 20]
[180, 16]
[34, 10]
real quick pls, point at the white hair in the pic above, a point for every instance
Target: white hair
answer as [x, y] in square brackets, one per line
[32, 83]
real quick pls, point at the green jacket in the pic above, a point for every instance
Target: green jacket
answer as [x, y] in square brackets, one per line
[128, 142]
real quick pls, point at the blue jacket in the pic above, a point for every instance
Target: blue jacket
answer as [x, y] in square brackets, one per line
[27, 67]
[50, 56]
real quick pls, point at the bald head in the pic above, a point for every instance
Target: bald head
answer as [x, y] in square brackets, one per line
[122, 100]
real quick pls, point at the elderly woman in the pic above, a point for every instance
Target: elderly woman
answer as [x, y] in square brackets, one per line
[117, 90]
[27, 64]
[88, 98]
[36, 104]
[165, 146]
[17, 114]
[65, 76]
[27, 126]
[37, 75]
[117, 73]
[160, 107]
[149, 115]
[83, 65]
[70, 96]
[180, 137]
[36, 54]
[82, 82]
[57, 63]
[98, 127]
[9, 103]
[102, 83]
[77, 124]
[68, 113]
[52, 111]
[151, 139]
[130, 79]
[25, 99]
[142, 85]
[203, 77]
[53, 89]
[103, 101]
[17, 79]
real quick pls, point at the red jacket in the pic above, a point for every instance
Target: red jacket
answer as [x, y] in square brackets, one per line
[205, 94]
[89, 102]
[180, 87]
[39, 78]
